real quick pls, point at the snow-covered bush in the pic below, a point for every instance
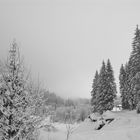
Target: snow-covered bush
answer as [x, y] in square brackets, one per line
[17, 104]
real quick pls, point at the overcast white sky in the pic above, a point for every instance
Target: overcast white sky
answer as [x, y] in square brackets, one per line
[65, 41]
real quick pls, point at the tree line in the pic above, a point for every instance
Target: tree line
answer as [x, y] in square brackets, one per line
[104, 88]
[130, 76]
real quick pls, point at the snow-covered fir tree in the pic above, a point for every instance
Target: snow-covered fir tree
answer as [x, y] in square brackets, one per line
[16, 108]
[102, 90]
[94, 91]
[128, 84]
[136, 90]
[111, 87]
[124, 86]
[134, 68]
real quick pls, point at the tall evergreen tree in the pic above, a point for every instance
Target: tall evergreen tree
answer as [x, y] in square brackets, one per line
[111, 87]
[136, 39]
[94, 91]
[134, 68]
[123, 81]
[122, 84]
[136, 82]
[15, 101]
[121, 78]
[102, 90]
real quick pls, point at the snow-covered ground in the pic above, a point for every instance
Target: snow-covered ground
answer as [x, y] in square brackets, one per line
[126, 126]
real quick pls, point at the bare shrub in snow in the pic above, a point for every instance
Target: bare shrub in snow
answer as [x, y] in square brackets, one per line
[69, 125]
